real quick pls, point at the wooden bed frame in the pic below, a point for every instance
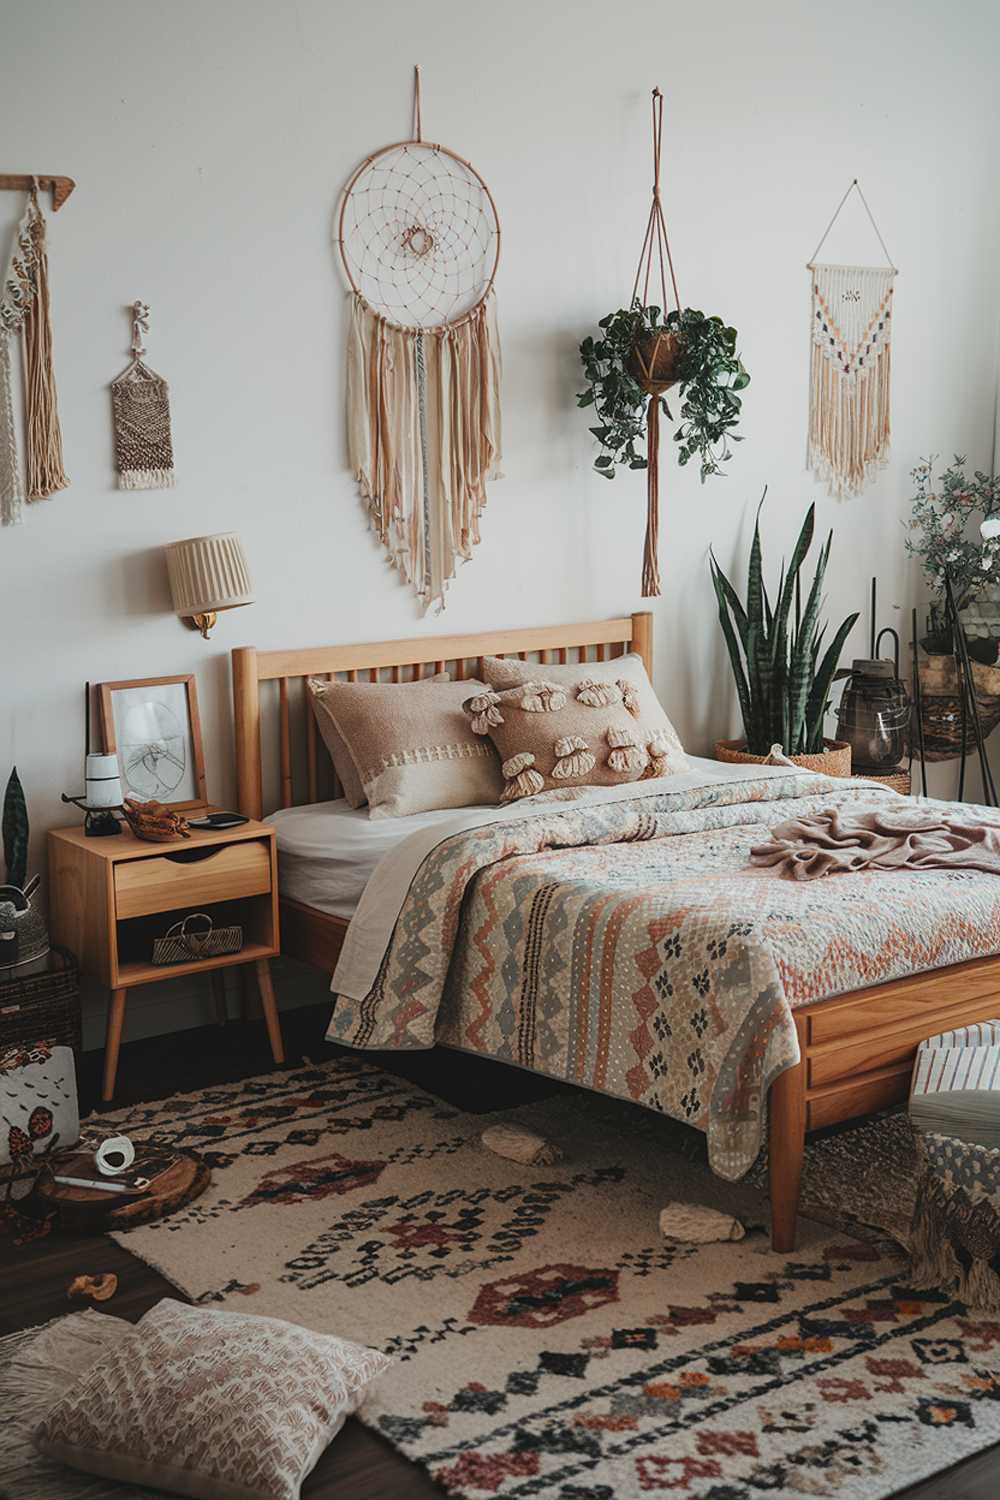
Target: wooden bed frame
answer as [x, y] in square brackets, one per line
[857, 1050]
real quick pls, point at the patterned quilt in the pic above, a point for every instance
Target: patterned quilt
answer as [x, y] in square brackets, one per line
[632, 948]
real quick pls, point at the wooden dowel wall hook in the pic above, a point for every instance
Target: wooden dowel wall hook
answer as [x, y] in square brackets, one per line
[61, 187]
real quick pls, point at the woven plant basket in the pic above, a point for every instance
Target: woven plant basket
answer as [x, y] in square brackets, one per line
[42, 1007]
[655, 361]
[835, 760]
[941, 705]
[898, 781]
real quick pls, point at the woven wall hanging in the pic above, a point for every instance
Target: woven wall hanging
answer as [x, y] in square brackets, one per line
[140, 404]
[849, 415]
[419, 237]
[25, 311]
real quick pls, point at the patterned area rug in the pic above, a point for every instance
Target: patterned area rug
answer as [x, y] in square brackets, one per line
[547, 1340]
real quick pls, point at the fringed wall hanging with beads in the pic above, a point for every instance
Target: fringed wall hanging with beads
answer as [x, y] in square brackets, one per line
[849, 415]
[140, 403]
[419, 237]
[25, 311]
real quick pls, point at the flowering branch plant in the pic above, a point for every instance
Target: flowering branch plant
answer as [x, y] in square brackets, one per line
[957, 522]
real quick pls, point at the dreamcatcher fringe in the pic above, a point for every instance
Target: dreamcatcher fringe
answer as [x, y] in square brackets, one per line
[849, 406]
[424, 436]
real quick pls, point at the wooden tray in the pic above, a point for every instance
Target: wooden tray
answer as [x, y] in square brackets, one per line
[83, 1209]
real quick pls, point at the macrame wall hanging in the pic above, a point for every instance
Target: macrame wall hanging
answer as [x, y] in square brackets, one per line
[140, 404]
[849, 416]
[419, 237]
[25, 312]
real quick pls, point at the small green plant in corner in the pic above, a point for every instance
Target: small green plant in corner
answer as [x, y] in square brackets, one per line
[15, 832]
[782, 681]
[638, 356]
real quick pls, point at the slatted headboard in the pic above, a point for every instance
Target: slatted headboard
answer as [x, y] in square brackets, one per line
[392, 661]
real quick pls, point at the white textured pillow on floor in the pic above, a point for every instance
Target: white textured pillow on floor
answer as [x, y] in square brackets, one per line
[218, 1405]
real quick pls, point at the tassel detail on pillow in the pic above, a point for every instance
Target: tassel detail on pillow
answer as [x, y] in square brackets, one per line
[484, 710]
[521, 779]
[598, 694]
[630, 696]
[573, 757]
[542, 698]
[627, 754]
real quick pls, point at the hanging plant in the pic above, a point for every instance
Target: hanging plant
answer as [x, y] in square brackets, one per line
[640, 354]
[637, 358]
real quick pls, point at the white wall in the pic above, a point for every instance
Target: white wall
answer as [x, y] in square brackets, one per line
[209, 142]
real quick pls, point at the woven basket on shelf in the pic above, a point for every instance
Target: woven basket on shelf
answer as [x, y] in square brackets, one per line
[941, 705]
[42, 1007]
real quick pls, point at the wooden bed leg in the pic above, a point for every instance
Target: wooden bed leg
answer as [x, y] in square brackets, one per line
[786, 1148]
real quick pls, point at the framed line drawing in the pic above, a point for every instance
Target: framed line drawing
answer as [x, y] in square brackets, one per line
[152, 725]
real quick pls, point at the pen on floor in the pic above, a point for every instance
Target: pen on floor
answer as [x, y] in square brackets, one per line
[87, 1182]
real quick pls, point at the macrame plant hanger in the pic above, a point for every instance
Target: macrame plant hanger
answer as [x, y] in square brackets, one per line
[850, 365]
[25, 311]
[419, 237]
[656, 358]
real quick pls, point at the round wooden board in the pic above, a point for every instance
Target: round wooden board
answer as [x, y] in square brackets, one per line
[83, 1209]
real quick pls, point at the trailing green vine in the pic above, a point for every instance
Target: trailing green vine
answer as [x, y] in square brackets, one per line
[710, 375]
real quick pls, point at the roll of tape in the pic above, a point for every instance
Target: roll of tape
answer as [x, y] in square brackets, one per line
[115, 1155]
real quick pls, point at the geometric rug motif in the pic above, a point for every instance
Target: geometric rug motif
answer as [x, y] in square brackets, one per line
[547, 1341]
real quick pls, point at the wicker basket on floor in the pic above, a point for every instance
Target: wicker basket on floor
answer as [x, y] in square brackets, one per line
[42, 1007]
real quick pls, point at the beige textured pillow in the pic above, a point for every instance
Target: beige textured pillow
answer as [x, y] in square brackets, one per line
[551, 735]
[218, 1405]
[323, 694]
[506, 672]
[414, 750]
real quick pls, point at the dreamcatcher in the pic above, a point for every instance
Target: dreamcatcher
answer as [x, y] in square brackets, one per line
[420, 240]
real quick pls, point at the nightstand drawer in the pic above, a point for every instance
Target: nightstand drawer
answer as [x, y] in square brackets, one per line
[163, 883]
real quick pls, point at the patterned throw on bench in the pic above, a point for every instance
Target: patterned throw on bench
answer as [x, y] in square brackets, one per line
[955, 1110]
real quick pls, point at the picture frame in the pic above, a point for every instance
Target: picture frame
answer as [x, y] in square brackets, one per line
[152, 725]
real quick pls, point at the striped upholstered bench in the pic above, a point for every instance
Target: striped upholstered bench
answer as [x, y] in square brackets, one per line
[955, 1113]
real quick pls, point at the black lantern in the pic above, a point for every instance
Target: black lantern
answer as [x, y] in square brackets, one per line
[874, 717]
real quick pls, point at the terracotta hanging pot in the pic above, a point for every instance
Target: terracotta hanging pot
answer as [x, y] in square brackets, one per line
[656, 361]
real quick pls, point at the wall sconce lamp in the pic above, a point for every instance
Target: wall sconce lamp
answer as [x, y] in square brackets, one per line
[207, 574]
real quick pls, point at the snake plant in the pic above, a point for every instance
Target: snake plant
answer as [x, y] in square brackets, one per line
[782, 681]
[15, 832]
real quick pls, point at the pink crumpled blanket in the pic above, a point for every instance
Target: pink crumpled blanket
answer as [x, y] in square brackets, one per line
[894, 838]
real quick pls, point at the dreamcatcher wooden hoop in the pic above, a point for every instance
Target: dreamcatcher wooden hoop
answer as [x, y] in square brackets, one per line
[423, 357]
[417, 142]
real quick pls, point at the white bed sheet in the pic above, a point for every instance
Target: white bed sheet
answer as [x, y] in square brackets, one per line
[328, 850]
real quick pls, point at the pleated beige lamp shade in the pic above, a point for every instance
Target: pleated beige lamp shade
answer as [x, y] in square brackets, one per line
[208, 574]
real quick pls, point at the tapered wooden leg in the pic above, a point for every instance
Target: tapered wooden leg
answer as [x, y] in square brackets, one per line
[112, 1043]
[786, 1148]
[219, 996]
[270, 1009]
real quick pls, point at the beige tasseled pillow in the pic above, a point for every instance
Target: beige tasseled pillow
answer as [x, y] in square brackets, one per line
[324, 695]
[413, 747]
[217, 1405]
[582, 732]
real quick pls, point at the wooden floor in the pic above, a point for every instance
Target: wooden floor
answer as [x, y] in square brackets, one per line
[358, 1465]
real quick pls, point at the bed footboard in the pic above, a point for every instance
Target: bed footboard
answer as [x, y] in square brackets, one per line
[856, 1057]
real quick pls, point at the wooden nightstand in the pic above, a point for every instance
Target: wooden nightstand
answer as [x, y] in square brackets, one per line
[110, 897]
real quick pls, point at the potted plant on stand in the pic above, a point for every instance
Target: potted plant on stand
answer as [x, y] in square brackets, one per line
[641, 352]
[956, 526]
[782, 680]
